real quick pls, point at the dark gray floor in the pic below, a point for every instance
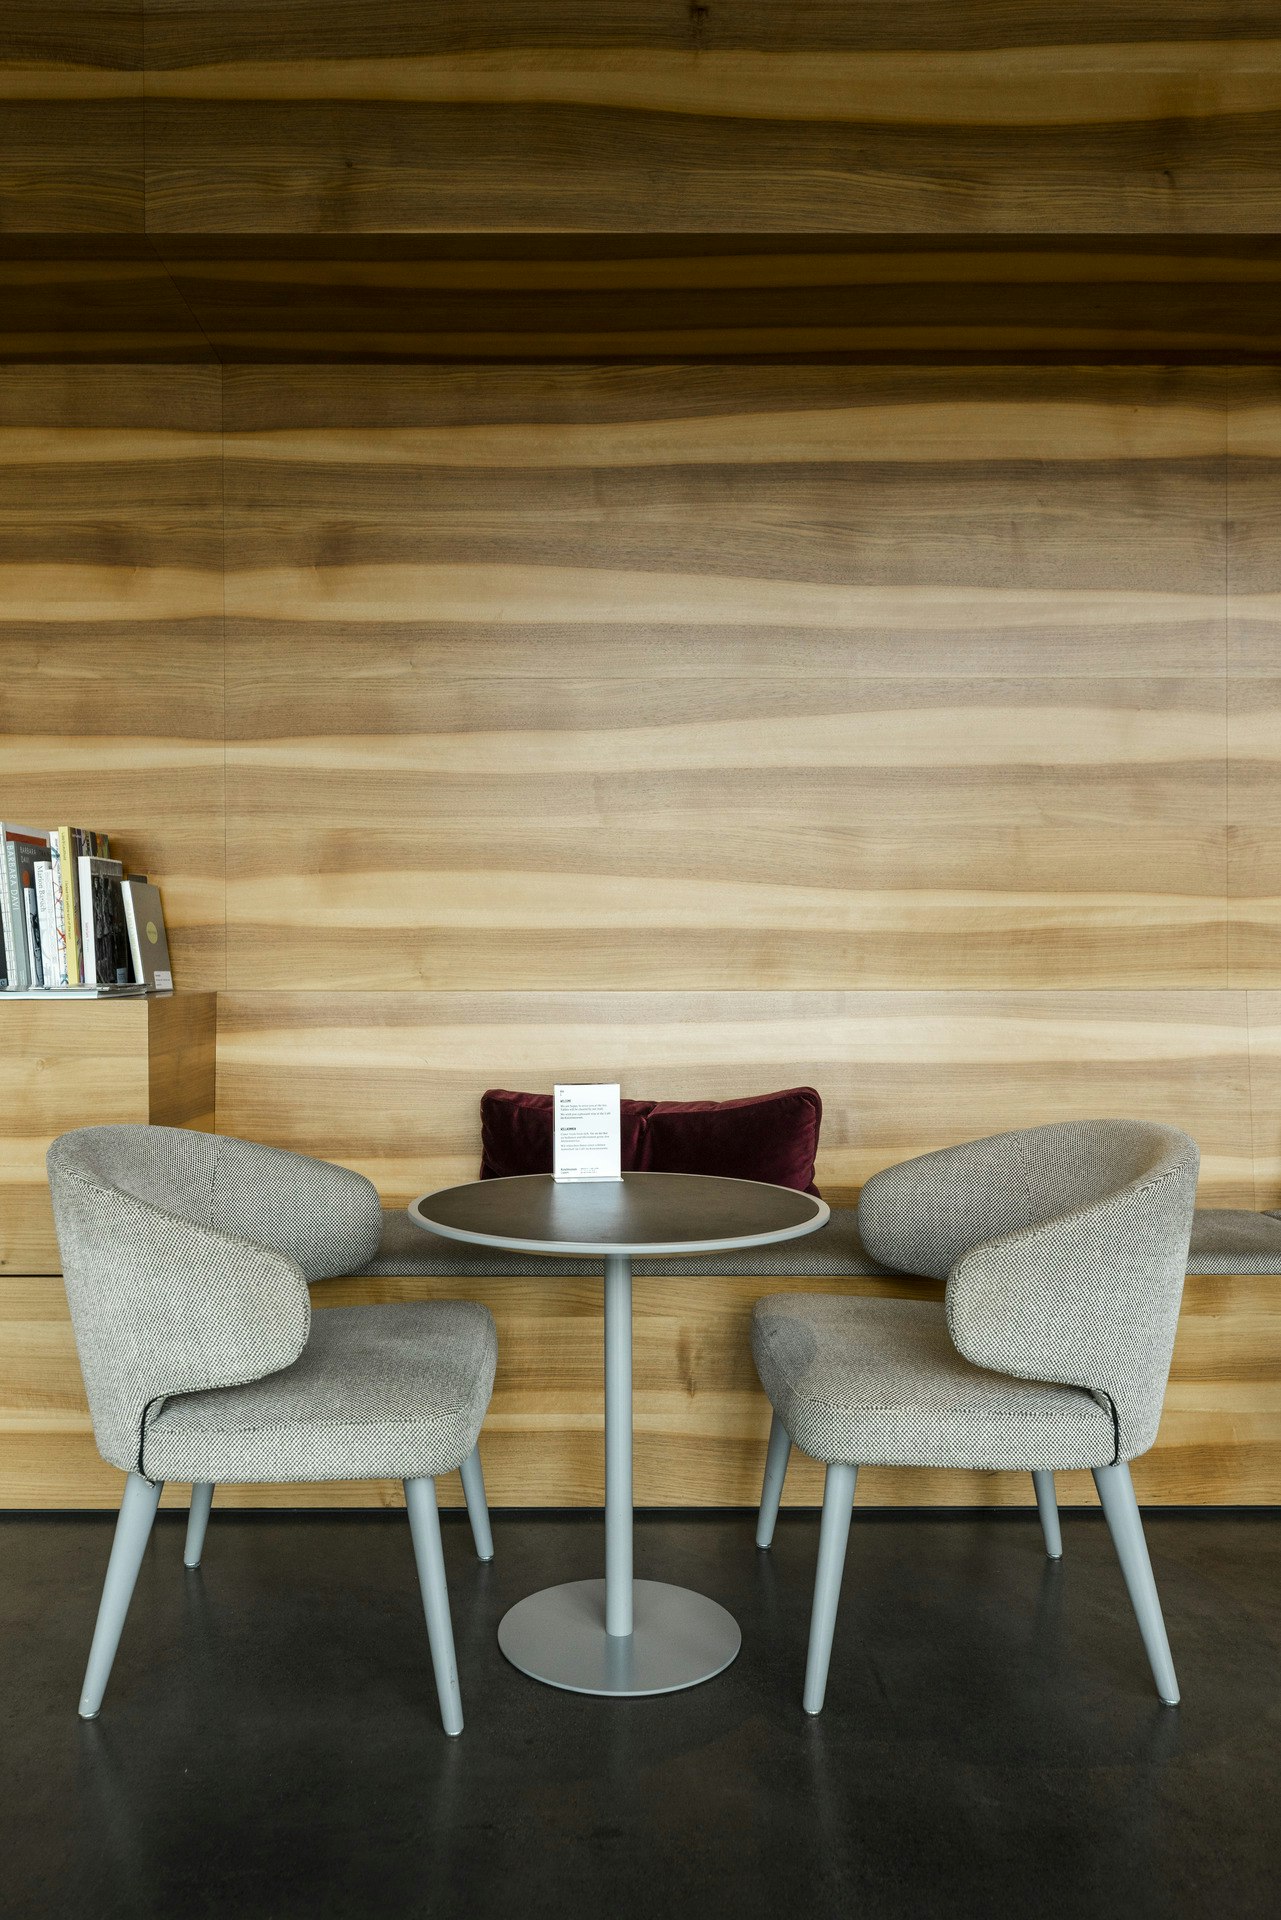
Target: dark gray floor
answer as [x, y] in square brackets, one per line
[991, 1745]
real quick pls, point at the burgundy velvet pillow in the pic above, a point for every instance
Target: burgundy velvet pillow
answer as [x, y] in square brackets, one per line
[771, 1136]
[516, 1133]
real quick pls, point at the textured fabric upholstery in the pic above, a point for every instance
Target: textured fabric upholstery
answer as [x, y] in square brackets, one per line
[186, 1258]
[833, 1250]
[1227, 1240]
[1089, 1297]
[161, 1302]
[324, 1218]
[378, 1391]
[1064, 1250]
[879, 1383]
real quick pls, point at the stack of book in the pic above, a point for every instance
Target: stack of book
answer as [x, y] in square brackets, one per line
[72, 922]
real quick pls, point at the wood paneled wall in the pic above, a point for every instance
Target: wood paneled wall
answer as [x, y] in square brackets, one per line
[701, 677]
[911, 731]
[390, 1081]
[111, 636]
[328, 116]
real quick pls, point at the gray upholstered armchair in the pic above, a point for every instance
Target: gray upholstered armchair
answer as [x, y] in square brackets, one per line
[186, 1258]
[1063, 1249]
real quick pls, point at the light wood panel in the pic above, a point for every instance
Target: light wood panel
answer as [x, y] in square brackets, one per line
[69, 1063]
[391, 1083]
[724, 677]
[1254, 702]
[740, 116]
[1265, 1095]
[701, 1418]
[111, 645]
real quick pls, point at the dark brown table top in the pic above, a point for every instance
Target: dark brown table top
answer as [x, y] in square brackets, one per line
[642, 1214]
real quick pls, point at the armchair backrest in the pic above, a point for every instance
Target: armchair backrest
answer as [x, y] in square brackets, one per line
[186, 1258]
[1064, 1250]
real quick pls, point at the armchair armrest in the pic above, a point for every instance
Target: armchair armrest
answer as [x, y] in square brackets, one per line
[160, 1306]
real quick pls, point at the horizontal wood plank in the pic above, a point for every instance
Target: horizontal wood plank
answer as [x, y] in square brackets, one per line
[621, 677]
[391, 1083]
[723, 119]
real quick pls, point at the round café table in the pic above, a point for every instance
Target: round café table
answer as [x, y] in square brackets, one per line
[619, 1635]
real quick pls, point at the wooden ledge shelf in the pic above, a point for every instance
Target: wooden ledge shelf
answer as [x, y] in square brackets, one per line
[71, 1062]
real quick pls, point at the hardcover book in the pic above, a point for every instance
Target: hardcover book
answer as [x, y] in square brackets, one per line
[46, 927]
[103, 939]
[19, 846]
[148, 948]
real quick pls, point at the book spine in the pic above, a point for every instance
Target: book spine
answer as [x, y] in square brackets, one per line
[59, 919]
[6, 918]
[31, 923]
[70, 906]
[16, 932]
[46, 923]
[131, 928]
[89, 971]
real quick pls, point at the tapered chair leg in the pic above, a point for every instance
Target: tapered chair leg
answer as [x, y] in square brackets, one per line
[1048, 1507]
[133, 1529]
[477, 1506]
[424, 1525]
[202, 1494]
[834, 1533]
[1121, 1509]
[777, 1456]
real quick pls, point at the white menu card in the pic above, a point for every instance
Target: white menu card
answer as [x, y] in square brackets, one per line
[586, 1133]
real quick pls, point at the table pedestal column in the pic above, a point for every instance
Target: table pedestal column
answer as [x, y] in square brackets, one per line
[618, 1448]
[619, 1635]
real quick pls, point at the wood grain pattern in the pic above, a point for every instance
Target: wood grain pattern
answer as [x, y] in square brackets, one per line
[1254, 698]
[96, 299]
[701, 1418]
[111, 644]
[710, 677]
[736, 117]
[906, 731]
[67, 1064]
[71, 89]
[391, 1082]
[1265, 1095]
[665, 297]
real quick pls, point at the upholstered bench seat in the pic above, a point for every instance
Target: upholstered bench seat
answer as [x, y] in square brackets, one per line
[1228, 1240]
[834, 1250]
[1224, 1240]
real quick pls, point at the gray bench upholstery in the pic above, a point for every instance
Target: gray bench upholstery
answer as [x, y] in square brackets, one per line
[1223, 1241]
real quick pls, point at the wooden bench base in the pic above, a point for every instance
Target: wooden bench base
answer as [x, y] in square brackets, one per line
[701, 1418]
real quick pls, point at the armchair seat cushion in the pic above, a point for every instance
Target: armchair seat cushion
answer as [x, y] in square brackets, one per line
[378, 1392]
[878, 1383]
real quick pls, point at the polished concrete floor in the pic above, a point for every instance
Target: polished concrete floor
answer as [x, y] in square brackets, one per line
[991, 1745]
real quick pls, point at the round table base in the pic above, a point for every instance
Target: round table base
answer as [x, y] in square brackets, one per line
[679, 1638]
